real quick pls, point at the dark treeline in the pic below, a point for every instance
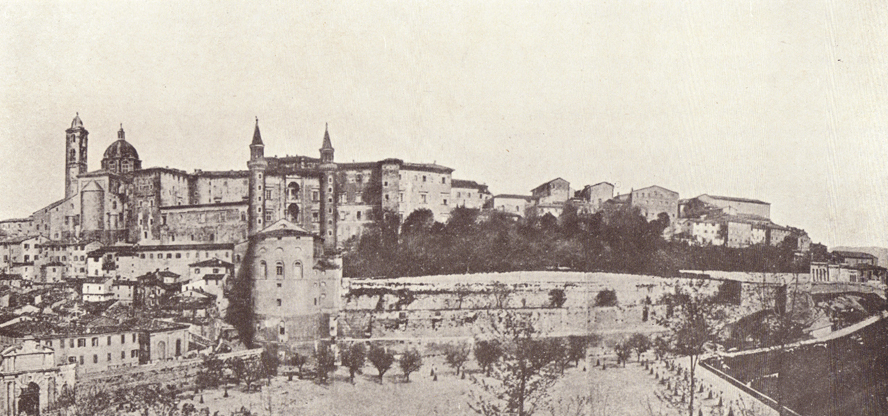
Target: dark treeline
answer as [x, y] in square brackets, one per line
[612, 240]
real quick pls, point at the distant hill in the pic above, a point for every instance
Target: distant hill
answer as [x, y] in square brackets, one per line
[880, 252]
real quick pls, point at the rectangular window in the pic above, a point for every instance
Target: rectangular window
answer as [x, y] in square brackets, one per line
[163, 219]
[358, 215]
[315, 216]
[81, 360]
[123, 355]
[134, 337]
[424, 198]
[279, 302]
[109, 340]
[267, 194]
[134, 353]
[81, 342]
[95, 342]
[95, 358]
[122, 339]
[315, 196]
[109, 357]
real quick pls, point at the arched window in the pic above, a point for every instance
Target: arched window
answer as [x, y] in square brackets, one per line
[279, 270]
[72, 155]
[293, 190]
[293, 212]
[297, 270]
[263, 270]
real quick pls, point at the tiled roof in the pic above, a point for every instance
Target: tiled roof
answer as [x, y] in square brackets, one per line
[211, 263]
[513, 196]
[734, 199]
[213, 276]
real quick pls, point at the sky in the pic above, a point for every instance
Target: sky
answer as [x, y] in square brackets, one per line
[785, 102]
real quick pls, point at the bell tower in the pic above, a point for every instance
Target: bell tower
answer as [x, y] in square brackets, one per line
[75, 154]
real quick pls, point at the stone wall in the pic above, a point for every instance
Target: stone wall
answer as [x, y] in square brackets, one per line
[464, 306]
[179, 373]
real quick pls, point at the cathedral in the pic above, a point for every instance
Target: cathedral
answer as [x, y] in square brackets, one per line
[122, 202]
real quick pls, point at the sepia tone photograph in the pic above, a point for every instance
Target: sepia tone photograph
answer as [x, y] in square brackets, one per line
[578, 208]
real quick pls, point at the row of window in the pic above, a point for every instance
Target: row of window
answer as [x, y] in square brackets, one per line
[279, 270]
[94, 341]
[74, 360]
[179, 255]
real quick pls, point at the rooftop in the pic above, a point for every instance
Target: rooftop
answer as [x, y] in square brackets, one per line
[734, 199]
[211, 263]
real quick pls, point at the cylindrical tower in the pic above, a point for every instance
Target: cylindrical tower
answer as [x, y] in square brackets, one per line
[92, 211]
[75, 155]
[257, 166]
[329, 199]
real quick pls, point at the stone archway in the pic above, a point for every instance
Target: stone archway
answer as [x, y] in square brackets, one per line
[29, 400]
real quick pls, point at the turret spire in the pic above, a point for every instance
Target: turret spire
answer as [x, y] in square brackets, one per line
[326, 147]
[120, 135]
[257, 138]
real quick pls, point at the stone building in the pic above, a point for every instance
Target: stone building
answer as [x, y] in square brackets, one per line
[511, 204]
[655, 200]
[124, 202]
[549, 198]
[596, 195]
[31, 379]
[469, 194]
[295, 288]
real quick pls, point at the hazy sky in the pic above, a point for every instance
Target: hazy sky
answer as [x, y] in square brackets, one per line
[786, 102]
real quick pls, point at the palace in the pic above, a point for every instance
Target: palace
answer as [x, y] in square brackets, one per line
[123, 202]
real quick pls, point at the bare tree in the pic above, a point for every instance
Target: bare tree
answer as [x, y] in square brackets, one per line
[693, 324]
[523, 375]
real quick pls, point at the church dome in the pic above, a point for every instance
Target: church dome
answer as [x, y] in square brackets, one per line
[120, 156]
[121, 149]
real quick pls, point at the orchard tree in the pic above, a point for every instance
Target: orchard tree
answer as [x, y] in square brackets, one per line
[325, 361]
[456, 355]
[298, 360]
[487, 352]
[623, 350]
[353, 357]
[557, 298]
[269, 361]
[381, 359]
[640, 343]
[411, 361]
[577, 345]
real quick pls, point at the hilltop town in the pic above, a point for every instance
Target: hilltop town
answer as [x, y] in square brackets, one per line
[141, 273]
